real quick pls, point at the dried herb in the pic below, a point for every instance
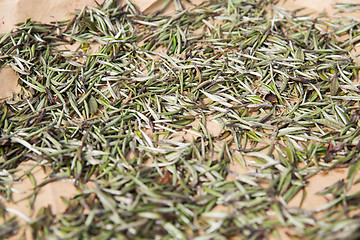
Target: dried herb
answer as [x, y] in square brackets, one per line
[133, 110]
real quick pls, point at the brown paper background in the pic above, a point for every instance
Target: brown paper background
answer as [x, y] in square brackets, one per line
[14, 11]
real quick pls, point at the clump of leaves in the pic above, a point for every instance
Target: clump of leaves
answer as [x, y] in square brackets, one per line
[136, 117]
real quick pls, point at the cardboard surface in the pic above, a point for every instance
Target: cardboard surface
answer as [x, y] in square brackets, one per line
[14, 11]
[8, 82]
[49, 195]
[315, 6]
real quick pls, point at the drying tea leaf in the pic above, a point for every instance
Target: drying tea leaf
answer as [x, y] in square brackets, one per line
[270, 97]
[93, 105]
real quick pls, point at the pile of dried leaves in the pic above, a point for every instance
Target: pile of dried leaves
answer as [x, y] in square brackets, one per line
[158, 116]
